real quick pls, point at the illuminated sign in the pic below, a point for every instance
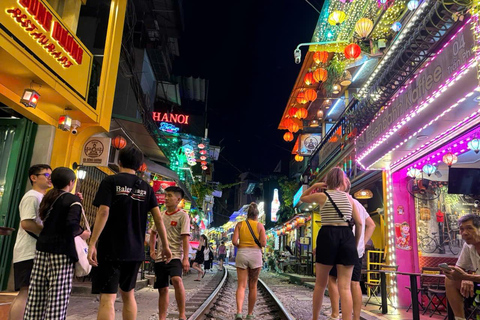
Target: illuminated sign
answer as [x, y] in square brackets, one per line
[275, 206]
[168, 127]
[170, 117]
[36, 27]
[296, 197]
[190, 154]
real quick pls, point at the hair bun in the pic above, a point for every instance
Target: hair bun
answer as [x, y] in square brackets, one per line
[253, 205]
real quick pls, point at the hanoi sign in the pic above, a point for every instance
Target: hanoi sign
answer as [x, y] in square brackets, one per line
[36, 27]
[170, 117]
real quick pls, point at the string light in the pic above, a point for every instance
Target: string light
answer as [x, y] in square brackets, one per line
[391, 257]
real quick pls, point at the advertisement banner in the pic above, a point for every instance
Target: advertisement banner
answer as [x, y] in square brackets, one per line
[308, 143]
[35, 26]
[96, 152]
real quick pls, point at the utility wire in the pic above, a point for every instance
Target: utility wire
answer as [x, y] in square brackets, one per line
[312, 6]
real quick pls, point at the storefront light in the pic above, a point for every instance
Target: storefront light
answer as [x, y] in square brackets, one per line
[64, 123]
[30, 98]
[81, 174]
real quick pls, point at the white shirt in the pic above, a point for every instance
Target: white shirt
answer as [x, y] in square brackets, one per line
[364, 216]
[206, 254]
[25, 244]
[469, 258]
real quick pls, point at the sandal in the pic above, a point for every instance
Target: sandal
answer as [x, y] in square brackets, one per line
[250, 316]
[238, 316]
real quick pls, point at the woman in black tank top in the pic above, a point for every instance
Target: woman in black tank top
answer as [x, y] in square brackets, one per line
[336, 244]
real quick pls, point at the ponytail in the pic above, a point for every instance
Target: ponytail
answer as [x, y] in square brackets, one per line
[252, 211]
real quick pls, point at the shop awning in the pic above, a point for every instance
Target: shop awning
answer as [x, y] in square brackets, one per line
[136, 132]
[161, 170]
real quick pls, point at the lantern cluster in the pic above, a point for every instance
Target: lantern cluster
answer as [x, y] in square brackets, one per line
[320, 57]
[190, 154]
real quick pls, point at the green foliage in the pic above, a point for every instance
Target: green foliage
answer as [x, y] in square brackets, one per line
[335, 71]
[288, 189]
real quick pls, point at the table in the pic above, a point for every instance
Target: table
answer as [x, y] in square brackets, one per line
[413, 290]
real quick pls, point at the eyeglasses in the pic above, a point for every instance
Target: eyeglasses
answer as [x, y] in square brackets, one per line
[46, 174]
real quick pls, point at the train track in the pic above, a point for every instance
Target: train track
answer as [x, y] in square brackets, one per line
[220, 304]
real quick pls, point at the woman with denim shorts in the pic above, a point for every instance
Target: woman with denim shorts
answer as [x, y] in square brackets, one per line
[249, 258]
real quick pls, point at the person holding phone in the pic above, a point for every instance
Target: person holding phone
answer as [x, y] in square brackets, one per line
[462, 278]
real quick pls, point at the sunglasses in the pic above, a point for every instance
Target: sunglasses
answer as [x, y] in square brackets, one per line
[46, 174]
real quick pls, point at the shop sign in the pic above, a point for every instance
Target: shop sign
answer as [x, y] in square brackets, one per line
[296, 197]
[308, 143]
[160, 198]
[275, 206]
[170, 117]
[35, 26]
[450, 59]
[96, 152]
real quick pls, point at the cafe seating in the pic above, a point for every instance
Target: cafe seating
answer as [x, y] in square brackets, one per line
[374, 287]
[434, 289]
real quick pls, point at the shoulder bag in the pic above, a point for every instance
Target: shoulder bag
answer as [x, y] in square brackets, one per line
[82, 266]
[253, 234]
[351, 222]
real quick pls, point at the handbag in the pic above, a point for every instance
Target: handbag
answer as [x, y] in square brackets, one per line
[253, 234]
[351, 222]
[82, 266]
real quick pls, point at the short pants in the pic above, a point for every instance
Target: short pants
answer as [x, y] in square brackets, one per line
[336, 245]
[357, 271]
[22, 271]
[249, 258]
[109, 275]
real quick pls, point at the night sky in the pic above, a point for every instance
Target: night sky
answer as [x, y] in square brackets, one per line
[245, 50]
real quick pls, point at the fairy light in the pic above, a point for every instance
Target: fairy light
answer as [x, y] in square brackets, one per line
[476, 33]
[391, 257]
[421, 107]
[397, 42]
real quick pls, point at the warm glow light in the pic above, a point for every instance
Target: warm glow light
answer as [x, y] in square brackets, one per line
[363, 27]
[64, 123]
[301, 98]
[352, 51]
[320, 57]
[288, 136]
[30, 98]
[311, 95]
[292, 112]
[320, 75]
[119, 142]
[336, 18]
[450, 159]
[302, 113]
[298, 158]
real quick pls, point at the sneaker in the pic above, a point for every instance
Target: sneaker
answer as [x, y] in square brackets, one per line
[336, 318]
[238, 316]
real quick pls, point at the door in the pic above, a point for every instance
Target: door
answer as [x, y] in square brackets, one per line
[16, 145]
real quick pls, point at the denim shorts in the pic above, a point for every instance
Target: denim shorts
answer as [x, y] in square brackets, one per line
[249, 258]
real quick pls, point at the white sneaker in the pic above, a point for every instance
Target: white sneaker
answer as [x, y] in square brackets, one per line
[332, 318]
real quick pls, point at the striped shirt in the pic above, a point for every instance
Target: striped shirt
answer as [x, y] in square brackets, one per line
[328, 212]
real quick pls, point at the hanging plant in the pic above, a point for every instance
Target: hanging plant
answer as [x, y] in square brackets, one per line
[335, 71]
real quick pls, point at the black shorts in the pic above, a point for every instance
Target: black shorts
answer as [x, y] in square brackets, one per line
[221, 257]
[165, 271]
[21, 272]
[356, 274]
[336, 245]
[109, 275]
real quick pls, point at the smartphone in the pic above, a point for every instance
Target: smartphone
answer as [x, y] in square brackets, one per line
[444, 266]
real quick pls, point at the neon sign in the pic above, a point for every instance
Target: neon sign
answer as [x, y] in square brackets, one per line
[50, 34]
[170, 117]
[168, 127]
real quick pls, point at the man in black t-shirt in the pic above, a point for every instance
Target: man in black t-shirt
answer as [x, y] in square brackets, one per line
[123, 202]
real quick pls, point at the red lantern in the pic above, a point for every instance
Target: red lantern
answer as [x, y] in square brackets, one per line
[293, 127]
[320, 57]
[119, 142]
[143, 167]
[287, 122]
[204, 167]
[352, 51]
[311, 95]
[320, 75]
[203, 158]
[203, 163]
[288, 136]
[302, 113]
[308, 79]
[301, 221]
[301, 98]
[289, 227]
[279, 232]
[203, 152]
[292, 112]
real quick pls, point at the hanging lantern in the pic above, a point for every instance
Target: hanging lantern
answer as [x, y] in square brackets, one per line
[336, 89]
[336, 18]
[363, 27]
[288, 136]
[203, 158]
[203, 152]
[429, 169]
[201, 146]
[311, 95]
[287, 122]
[289, 226]
[319, 114]
[301, 98]
[327, 103]
[292, 112]
[308, 79]
[143, 167]
[203, 163]
[204, 168]
[119, 142]
[301, 221]
[320, 57]
[474, 145]
[293, 127]
[385, 4]
[396, 26]
[363, 194]
[352, 51]
[298, 158]
[302, 113]
[449, 159]
[412, 5]
[346, 78]
[414, 173]
[320, 75]
[314, 123]
[278, 232]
